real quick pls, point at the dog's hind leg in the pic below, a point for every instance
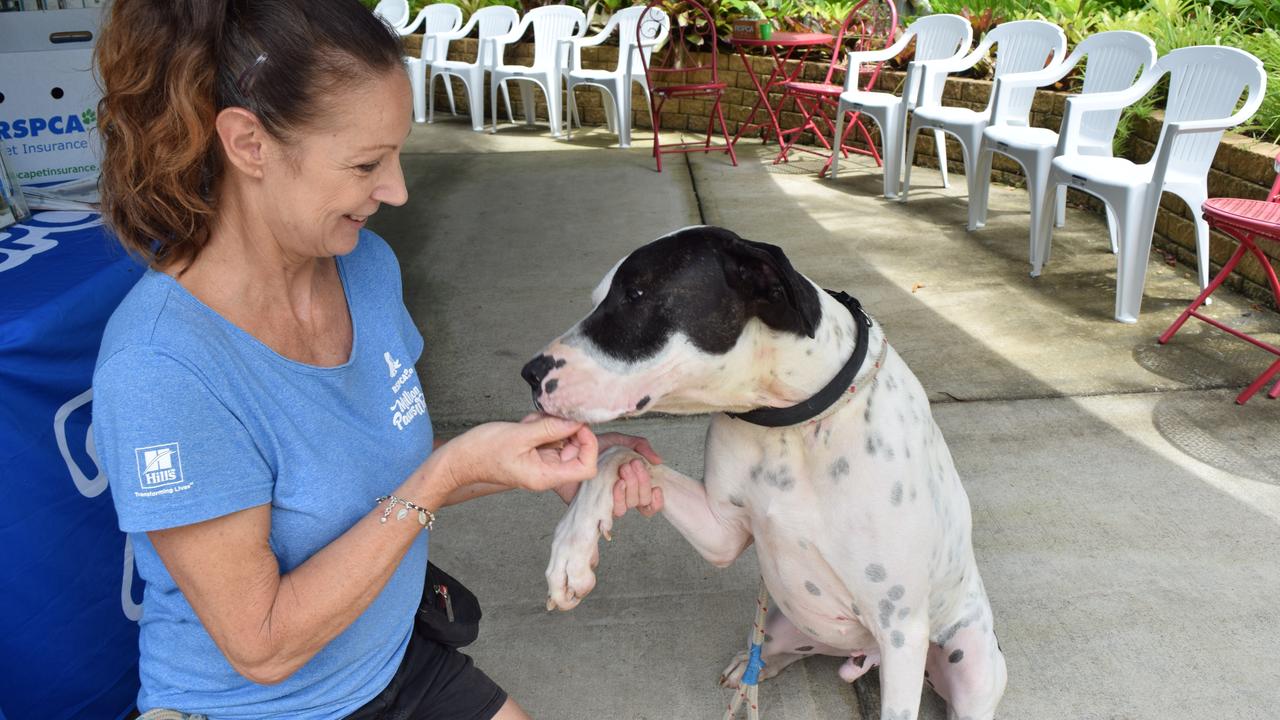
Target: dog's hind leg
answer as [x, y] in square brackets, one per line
[784, 643]
[967, 669]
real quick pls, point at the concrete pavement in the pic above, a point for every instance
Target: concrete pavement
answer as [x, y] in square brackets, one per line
[1126, 513]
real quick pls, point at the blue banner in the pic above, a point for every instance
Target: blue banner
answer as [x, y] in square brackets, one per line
[69, 596]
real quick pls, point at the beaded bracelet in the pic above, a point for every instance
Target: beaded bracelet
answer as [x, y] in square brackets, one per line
[426, 518]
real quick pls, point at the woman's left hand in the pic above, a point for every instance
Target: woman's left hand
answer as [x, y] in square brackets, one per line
[633, 488]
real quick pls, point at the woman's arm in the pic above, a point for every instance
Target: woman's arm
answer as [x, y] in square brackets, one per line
[269, 625]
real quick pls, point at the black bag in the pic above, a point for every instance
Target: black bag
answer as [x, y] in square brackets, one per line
[449, 613]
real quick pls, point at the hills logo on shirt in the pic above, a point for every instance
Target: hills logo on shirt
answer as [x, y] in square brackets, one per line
[159, 466]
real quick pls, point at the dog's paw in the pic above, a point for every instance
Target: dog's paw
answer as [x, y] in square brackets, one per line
[731, 677]
[576, 549]
[570, 574]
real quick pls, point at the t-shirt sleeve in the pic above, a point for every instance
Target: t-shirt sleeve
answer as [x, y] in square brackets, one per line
[173, 453]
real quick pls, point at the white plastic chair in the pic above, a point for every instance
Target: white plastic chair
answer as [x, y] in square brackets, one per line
[436, 20]
[1115, 61]
[1205, 84]
[636, 37]
[938, 37]
[551, 24]
[394, 13]
[1022, 46]
[492, 21]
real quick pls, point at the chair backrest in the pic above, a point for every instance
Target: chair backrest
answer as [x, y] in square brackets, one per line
[640, 30]
[690, 25]
[438, 18]
[1113, 61]
[441, 17]
[869, 25]
[393, 12]
[1205, 83]
[937, 37]
[492, 21]
[1025, 46]
[551, 24]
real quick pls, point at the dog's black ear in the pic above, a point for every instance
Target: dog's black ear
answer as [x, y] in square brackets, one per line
[782, 297]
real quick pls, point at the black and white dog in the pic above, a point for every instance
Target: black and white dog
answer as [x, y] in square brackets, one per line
[848, 490]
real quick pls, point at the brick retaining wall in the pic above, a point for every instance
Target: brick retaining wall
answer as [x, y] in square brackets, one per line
[1242, 167]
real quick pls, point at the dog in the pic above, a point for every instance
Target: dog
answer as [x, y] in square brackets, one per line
[821, 450]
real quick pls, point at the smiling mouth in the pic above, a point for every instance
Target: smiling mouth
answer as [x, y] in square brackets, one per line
[356, 218]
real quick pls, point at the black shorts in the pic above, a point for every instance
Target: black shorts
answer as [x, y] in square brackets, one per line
[434, 682]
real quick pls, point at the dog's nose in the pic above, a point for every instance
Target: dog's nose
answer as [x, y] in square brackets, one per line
[536, 370]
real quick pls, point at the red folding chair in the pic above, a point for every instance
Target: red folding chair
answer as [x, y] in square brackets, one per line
[674, 72]
[1247, 221]
[870, 25]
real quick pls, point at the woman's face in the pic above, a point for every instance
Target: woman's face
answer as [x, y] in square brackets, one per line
[323, 186]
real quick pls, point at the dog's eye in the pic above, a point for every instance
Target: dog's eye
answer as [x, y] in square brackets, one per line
[634, 294]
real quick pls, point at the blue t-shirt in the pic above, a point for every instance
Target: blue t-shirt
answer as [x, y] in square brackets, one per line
[193, 418]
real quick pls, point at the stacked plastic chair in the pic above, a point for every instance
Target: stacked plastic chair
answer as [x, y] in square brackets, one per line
[936, 37]
[1114, 61]
[640, 30]
[1205, 84]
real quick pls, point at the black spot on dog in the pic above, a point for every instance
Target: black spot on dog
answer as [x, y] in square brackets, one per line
[813, 589]
[639, 406]
[956, 656]
[560, 363]
[736, 501]
[839, 469]
[805, 648]
[875, 572]
[551, 385]
[896, 592]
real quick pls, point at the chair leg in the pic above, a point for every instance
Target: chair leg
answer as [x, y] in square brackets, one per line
[976, 180]
[655, 110]
[910, 153]
[623, 102]
[448, 90]
[1042, 238]
[1136, 222]
[1060, 218]
[724, 132]
[940, 139]
[493, 100]
[551, 88]
[841, 111]
[506, 99]
[1204, 294]
[526, 97]
[431, 96]
[891, 152]
[979, 178]
[417, 82]
[1042, 201]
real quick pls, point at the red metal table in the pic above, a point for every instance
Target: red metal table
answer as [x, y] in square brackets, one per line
[781, 46]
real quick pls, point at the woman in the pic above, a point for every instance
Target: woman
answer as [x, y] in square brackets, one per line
[256, 406]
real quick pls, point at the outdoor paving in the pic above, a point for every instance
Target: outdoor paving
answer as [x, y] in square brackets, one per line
[1125, 510]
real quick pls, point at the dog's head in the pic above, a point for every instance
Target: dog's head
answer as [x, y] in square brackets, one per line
[678, 326]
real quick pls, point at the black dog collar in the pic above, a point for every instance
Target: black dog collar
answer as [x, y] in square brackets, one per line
[834, 390]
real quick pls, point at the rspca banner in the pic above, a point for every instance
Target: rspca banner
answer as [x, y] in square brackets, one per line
[48, 120]
[70, 599]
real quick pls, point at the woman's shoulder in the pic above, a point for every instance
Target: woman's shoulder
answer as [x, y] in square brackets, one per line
[155, 322]
[372, 261]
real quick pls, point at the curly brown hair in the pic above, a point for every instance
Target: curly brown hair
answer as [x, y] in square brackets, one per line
[168, 67]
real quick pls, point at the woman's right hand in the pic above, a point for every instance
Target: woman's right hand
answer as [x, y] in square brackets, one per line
[538, 453]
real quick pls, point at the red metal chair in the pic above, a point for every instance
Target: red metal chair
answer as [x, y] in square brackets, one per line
[675, 72]
[1246, 221]
[869, 25]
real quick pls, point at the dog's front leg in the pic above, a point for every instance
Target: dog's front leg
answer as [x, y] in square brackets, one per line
[716, 535]
[902, 660]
